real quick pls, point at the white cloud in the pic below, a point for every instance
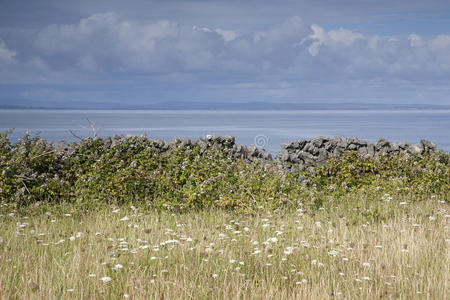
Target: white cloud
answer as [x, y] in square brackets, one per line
[415, 40]
[441, 43]
[107, 47]
[6, 55]
[227, 35]
[333, 38]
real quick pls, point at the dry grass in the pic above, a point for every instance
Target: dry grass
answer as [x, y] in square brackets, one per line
[332, 253]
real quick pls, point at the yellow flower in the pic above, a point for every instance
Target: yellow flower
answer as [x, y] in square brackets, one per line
[14, 267]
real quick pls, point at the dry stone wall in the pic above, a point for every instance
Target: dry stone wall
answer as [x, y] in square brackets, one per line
[295, 155]
[304, 154]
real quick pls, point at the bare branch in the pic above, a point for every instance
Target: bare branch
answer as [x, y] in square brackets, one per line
[94, 130]
[70, 130]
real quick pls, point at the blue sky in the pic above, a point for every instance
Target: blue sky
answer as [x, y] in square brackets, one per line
[143, 52]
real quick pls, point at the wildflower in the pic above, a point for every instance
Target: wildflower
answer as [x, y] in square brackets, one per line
[106, 279]
[366, 264]
[378, 246]
[126, 296]
[272, 240]
[289, 250]
[92, 275]
[125, 218]
[214, 275]
[333, 253]
[403, 203]
[72, 238]
[232, 261]
[118, 266]
[69, 290]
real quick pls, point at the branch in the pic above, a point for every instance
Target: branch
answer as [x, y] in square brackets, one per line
[70, 130]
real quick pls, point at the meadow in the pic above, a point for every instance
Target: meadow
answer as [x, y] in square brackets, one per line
[127, 252]
[130, 222]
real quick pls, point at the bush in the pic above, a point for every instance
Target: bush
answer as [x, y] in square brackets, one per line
[96, 172]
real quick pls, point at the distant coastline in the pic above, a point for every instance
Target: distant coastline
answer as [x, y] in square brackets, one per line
[233, 106]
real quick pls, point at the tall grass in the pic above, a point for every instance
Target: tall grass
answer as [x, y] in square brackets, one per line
[335, 251]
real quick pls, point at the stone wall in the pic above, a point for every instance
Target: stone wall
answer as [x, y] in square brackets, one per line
[308, 153]
[250, 153]
[295, 155]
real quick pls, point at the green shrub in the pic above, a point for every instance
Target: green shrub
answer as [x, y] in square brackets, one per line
[135, 170]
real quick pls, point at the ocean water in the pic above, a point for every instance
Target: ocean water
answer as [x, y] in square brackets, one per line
[266, 129]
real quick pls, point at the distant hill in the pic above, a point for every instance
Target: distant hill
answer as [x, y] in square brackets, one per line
[30, 104]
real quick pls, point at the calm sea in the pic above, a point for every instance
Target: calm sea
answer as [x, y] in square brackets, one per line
[267, 129]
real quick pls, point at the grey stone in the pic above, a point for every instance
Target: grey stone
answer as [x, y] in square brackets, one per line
[371, 149]
[342, 144]
[283, 156]
[417, 148]
[427, 145]
[318, 142]
[229, 140]
[403, 145]
[381, 143]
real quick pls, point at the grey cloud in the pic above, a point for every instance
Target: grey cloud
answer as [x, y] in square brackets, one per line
[279, 61]
[6, 55]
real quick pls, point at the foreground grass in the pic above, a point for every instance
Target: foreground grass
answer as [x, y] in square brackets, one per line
[337, 251]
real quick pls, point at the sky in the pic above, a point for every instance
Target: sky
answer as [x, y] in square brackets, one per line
[107, 52]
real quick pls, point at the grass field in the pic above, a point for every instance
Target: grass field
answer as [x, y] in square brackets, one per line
[131, 221]
[127, 252]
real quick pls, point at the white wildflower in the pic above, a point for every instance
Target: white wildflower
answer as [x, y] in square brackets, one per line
[105, 279]
[289, 250]
[272, 240]
[333, 253]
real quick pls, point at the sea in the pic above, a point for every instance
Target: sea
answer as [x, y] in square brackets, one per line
[266, 129]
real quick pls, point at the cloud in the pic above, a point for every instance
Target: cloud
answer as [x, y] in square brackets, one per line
[6, 55]
[106, 44]
[284, 60]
